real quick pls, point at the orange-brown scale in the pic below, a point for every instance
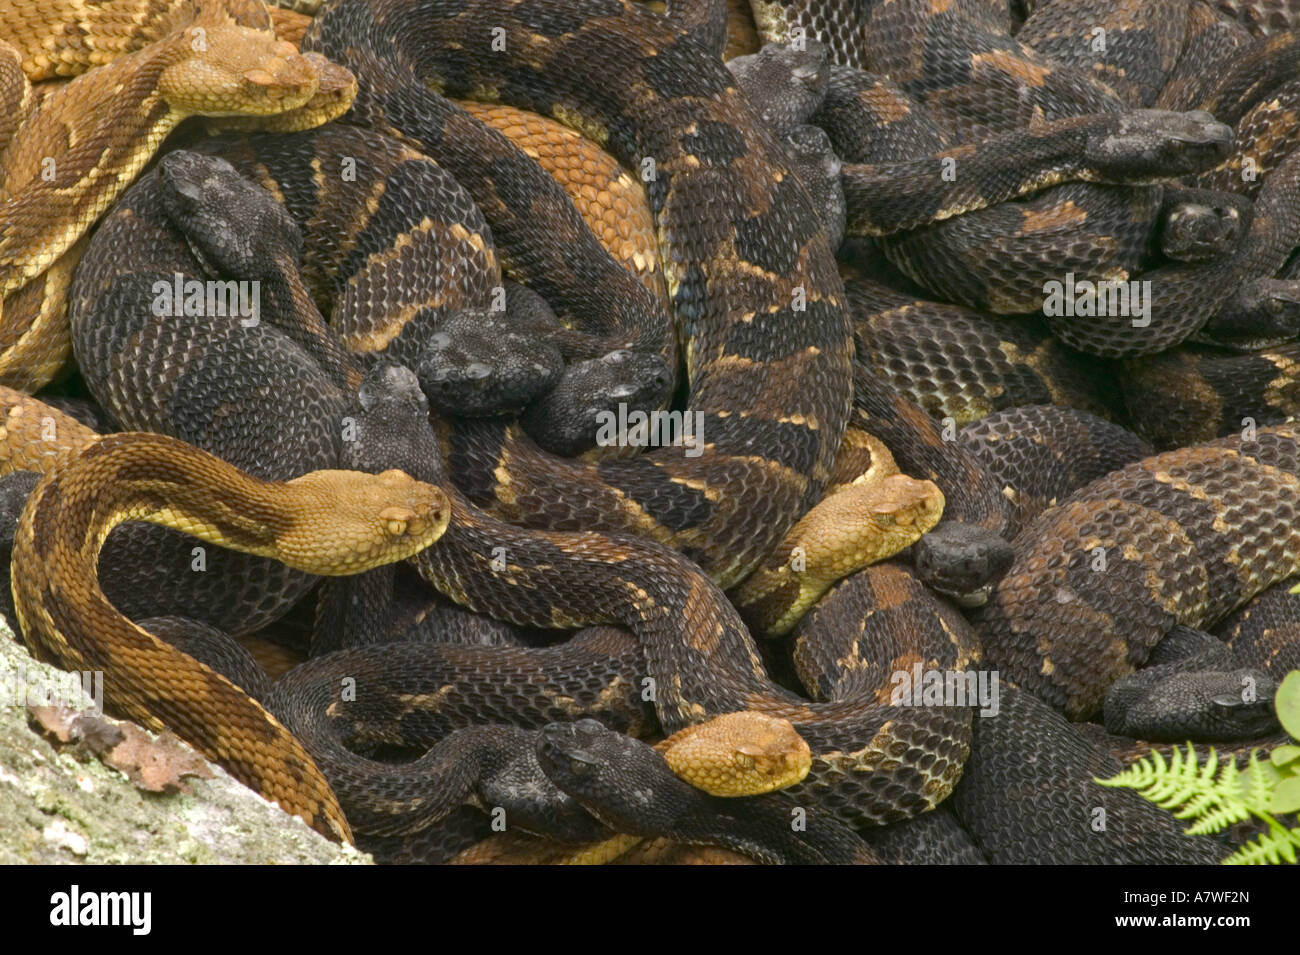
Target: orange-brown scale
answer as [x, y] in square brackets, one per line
[332, 522]
[611, 201]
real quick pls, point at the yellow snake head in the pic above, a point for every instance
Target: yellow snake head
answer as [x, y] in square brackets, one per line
[738, 754]
[865, 522]
[336, 89]
[222, 69]
[344, 522]
[900, 507]
[868, 520]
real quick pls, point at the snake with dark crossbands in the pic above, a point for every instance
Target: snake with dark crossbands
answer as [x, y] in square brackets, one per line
[1106, 573]
[433, 690]
[1001, 259]
[155, 216]
[1064, 163]
[66, 157]
[153, 478]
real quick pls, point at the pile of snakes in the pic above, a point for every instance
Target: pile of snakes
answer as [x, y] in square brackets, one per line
[554, 431]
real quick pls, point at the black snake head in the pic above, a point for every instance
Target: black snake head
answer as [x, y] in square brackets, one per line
[814, 159]
[962, 561]
[391, 429]
[621, 781]
[576, 414]
[233, 226]
[785, 86]
[1200, 232]
[1156, 144]
[533, 802]
[628, 786]
[1261, 313]
[1209, 706]
[479, 362]
[387, 382]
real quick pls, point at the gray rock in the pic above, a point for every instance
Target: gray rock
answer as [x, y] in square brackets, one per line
[58, 804]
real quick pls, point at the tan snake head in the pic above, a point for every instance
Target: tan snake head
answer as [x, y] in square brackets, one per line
[359, 520]
[224, 70]
[738, 754]
[857, 525]
[866, 522]
[336, 89]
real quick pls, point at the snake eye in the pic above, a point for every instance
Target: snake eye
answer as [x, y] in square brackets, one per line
[579, 767]
[744, 760]
[397, 520]
[886, 519]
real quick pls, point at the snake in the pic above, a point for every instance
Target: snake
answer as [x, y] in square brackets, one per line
[1262, 632]
[635, 136]
[960, 365]
[142, 476]
[1079, 229]
[550, 611]
[1063, 448]
[1199, 392]
[1043, 811]
[1013, 737]
[73, 153]
[378, 518]
[431, 690]
[1155, 385]
[1107, 572]
[723, 362]
[996, 610]
[625, 783]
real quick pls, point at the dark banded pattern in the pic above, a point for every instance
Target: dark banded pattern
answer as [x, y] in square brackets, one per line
[69, 160]
[726, 206]
[328, 522]
[1265, 633]
[1041, 454]
[1100, 578]
[392, 243]
[1197, 393]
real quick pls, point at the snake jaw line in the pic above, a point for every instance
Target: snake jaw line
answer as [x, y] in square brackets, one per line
[373, 520]
[746, 753]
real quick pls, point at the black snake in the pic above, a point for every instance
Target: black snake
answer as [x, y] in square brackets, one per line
[764, 317]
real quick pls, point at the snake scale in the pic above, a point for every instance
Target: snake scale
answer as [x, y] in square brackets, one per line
[732, 245]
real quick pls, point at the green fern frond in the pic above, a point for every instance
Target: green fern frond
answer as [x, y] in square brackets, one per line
[1213, 797]
[1259, 781]
[1218, 819]
[1271, 848]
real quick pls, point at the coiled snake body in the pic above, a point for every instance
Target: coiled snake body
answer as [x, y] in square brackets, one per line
[763, 315]
[378, 519]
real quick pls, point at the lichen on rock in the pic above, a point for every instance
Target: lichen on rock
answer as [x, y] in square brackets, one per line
[59, 803]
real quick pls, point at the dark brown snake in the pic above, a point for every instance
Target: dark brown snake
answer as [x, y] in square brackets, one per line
[1000, 259]
[737, 322]
[734, 264]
